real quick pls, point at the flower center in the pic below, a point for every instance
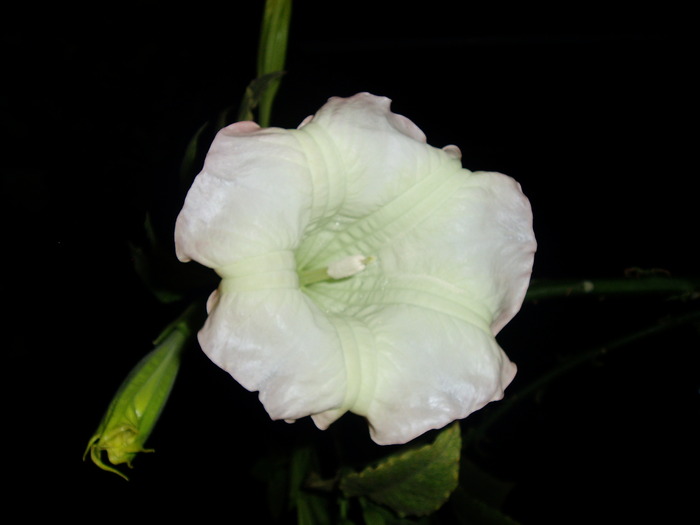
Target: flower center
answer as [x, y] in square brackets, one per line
[340, 269]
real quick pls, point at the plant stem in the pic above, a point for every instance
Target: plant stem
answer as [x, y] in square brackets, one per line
[549, 289]
[272, 51]
[573, 362]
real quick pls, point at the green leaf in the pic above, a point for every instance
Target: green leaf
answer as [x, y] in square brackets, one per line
[482, 485]
[374, 514]
[471, 510]
[163, 275]
[413, 482]
[301, 463]
[311, 508]
[273, 470]
[153, 262]
[188, 166]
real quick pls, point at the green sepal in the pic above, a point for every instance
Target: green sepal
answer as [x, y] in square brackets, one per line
[414, 482]
[139, 401]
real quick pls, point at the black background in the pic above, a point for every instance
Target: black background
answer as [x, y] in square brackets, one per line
[588, 107]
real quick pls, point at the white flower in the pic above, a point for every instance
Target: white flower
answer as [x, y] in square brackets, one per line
[362, 269]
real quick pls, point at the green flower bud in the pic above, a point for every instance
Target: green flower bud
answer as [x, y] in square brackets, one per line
[137, 405]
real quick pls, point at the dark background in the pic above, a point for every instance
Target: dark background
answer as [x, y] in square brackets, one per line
[588, 107]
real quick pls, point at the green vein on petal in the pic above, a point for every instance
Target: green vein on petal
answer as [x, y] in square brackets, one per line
[392, 220]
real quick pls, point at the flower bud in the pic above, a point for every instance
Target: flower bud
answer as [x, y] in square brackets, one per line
[138, 403]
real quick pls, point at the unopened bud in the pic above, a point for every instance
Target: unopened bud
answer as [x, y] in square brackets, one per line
[137, 405]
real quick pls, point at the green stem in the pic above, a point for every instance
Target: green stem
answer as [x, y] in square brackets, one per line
[272, 52]
[684, 287]
[570, 364]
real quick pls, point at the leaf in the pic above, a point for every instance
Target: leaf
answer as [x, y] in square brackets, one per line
[273, 470]
[301, 463]
[471, 510]
[482, 485]
[188, 167]
[152, 263]
[414, 482]
[311, 508]
[374, 514]
[163, 275]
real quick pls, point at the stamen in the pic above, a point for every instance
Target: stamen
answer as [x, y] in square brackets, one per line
[340, 269]
[347, 267]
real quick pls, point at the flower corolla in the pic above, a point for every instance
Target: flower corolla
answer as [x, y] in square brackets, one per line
[361, 269]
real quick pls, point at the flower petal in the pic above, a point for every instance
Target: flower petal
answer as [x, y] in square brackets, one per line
[277, 342]
[252, 197]
[432, 369]
[380, 156]
[480, 240]
[406, 340]
[431, 305]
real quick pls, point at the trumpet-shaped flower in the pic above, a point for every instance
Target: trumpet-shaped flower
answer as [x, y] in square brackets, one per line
[361, 269]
